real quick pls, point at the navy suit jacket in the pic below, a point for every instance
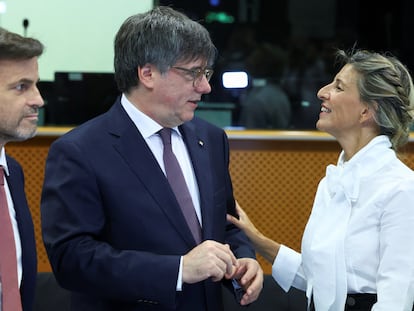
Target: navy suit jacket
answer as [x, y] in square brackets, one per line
[15, 181]
[112, 228]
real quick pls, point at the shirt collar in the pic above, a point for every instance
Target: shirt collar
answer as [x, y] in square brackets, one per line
[346, 176]
[366, 156]
[146, 126]
[3, 161]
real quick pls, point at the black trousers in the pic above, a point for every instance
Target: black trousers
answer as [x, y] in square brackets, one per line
[355, 302]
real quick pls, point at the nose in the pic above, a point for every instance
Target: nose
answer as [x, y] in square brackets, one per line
[37, 99]
[323, 92]
[203, 86]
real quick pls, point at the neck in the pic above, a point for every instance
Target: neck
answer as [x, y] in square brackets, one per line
[351, 144]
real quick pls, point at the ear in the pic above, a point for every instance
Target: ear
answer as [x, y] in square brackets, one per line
[146, 75]
[367, 113]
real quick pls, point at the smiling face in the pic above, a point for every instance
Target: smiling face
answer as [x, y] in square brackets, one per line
[342, 110]
[20, 99]
[173, 95]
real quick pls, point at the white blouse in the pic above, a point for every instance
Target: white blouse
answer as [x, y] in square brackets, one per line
[360, 235]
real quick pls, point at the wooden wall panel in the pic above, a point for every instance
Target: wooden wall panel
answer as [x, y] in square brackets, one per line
[31, 154]
[274, 180]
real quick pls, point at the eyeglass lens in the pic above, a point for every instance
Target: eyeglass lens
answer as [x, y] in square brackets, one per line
[199, 73]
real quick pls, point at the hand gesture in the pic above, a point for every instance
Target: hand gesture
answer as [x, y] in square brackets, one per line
[243, 222]
[249, 275]
[209, 259]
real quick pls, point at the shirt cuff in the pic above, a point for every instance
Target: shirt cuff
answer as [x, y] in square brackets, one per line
[180, 276]
[285, 267]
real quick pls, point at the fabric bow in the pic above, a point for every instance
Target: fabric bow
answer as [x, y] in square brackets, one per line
[344, 178]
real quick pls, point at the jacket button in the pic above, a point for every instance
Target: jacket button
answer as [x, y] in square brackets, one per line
[350, 301]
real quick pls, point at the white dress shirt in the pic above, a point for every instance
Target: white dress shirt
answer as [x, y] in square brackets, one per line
[149, 130]
[360, 235]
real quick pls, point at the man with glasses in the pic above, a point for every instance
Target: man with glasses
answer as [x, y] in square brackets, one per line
[125, 226]
[197, 74]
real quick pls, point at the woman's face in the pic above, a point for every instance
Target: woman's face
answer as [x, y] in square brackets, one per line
[342, 110]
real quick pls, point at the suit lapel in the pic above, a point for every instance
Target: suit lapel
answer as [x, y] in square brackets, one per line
[15, 182]
[198, 145]
[135, 151]
[17, 193]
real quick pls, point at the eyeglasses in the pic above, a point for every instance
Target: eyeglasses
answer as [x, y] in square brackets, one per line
[197, 74]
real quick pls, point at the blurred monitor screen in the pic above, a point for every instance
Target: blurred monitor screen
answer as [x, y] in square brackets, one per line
[235, 79]
[79, 96]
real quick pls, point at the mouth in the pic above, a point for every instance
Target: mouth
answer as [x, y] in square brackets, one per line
[324, 109]
[33, 117]
[194, 102]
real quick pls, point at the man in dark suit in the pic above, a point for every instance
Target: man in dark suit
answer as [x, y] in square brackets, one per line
[20, 101]
[112, 224]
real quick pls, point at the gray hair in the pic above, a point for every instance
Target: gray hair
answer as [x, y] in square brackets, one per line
[15, 47]
[386, 86]
[161, 37]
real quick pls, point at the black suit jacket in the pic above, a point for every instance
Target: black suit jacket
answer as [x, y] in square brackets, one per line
[112, 227]
[15, 181]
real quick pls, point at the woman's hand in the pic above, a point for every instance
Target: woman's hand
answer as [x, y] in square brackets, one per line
[244, 223]
[265, 246]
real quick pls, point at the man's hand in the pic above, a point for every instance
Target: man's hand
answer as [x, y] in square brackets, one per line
[249, 275]
[209, 259]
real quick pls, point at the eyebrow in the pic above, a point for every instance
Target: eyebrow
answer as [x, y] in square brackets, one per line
[25, 80]
[22, 81]
[340, 81]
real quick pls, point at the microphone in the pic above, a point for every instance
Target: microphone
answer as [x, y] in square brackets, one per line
[25, 25]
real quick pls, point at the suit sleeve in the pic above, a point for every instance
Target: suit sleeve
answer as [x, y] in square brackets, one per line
[235, 237]
[75, 212]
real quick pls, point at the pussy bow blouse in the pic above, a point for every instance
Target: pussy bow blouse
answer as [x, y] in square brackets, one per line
[360, 235]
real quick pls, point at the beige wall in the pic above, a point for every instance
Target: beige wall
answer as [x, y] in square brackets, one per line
[78, 34]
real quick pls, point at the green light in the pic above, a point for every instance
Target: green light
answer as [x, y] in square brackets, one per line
[220, 17]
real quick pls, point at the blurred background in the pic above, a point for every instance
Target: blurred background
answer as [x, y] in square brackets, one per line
[273, 55]
[286, 48]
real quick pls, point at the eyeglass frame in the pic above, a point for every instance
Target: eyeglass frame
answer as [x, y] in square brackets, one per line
[197, 74]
